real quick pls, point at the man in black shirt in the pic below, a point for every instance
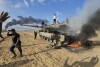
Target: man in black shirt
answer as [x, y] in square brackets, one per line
[15, 42]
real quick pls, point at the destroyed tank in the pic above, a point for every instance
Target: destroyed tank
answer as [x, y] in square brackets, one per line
[62, 28]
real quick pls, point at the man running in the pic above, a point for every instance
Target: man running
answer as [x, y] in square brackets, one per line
[15, 42]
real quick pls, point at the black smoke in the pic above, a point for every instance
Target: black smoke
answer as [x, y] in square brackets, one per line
[25, 20]
[89, 29]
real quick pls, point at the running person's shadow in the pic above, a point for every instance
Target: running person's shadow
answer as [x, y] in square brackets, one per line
[81, 63]
[17, 63]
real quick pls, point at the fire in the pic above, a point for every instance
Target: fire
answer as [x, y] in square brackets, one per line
[75, 44]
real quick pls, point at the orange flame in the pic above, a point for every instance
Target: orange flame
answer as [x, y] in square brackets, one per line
[75, 44]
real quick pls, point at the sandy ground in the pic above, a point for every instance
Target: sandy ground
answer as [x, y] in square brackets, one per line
[35, 54]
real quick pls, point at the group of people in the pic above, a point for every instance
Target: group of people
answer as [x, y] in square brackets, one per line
[16, 42]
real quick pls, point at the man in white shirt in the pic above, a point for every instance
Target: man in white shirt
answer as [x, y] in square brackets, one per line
[55, 19]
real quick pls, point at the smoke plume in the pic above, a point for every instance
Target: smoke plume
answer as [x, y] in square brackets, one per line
[25, 20]
[89, 29]
[83, 14]
[87, 19]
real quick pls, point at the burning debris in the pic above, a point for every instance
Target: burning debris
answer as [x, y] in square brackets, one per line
[71, 41]
[75, 44]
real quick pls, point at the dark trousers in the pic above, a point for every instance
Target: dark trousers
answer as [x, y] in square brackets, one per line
[18, 47]
[35, 35]
[54, 21]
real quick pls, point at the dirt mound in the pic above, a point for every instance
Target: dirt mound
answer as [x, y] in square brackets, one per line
[37, 55]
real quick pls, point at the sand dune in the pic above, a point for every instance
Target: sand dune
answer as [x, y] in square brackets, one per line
[37, 55]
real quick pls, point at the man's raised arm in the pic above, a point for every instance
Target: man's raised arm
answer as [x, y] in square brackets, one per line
[8, 34]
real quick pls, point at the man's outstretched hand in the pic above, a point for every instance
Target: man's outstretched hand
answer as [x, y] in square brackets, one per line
[4, 16]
